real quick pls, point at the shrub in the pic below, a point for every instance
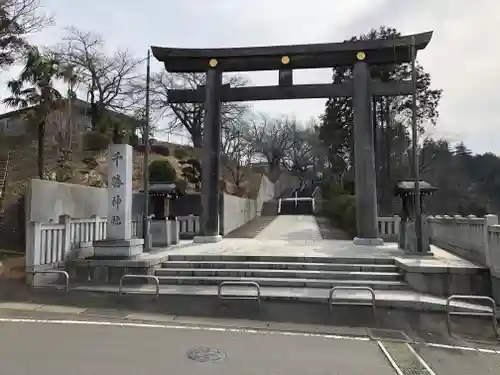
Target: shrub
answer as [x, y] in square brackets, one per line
[95, 141]
[341, 208]
[180, 154]
[191, 171]
[162, 170]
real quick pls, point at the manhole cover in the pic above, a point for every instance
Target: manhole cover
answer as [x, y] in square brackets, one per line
[388, 335]
[206, 355]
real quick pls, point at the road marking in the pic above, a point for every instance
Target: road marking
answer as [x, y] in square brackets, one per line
[420, 359]
[455, 347]
[389, 358]
[171, 326]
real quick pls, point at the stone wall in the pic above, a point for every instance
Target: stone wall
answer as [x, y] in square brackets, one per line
[237, 212]
[48, 200]
[266, 193]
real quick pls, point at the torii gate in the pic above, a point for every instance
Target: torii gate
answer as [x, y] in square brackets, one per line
[359, 54]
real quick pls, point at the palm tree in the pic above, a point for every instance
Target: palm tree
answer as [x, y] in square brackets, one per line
[39, 73]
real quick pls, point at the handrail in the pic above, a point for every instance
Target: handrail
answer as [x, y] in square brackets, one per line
[235, 283]
[148, 277]
[4, 181]
[365, 288]
[59, 272]
[492, 313]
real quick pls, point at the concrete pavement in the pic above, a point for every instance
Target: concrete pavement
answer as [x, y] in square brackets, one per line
[57, 339]
[59, 344]
[62, 349]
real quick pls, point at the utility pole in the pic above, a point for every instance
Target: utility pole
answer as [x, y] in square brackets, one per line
[416, 164]
[145, 226]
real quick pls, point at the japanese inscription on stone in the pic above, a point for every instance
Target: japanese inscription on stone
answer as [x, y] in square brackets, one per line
[119, 192]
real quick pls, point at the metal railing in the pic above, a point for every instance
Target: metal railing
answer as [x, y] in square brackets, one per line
[236, 297]
[55, 272]
[331, 301]
[146, 277]
[3, 180]
[457, 297]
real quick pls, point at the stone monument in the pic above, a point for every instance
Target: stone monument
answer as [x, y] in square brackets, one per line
[119, 242]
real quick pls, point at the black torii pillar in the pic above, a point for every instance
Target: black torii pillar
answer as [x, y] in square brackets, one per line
[364, 159]
[210, 166]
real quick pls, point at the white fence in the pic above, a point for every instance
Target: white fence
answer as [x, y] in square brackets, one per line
[388, 227]
[189, 225]
[52, 244]
[473, 238]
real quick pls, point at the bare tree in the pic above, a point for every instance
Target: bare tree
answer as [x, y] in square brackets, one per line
[108, 80]
[272, 139]
[189, 116]
[238, 150]
[18, 18]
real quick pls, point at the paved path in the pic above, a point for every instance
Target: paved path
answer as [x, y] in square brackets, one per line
[292, 227]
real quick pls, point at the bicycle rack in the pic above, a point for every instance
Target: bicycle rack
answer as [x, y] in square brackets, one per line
[58, 272]
[331, 301]
[492, 313]
[147, 277]
[236, 283]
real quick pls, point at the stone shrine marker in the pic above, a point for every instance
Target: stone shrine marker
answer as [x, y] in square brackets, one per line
[119, 241]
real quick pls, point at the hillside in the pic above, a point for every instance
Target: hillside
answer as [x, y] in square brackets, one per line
[89, 168]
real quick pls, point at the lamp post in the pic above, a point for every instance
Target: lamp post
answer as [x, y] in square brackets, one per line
[416, 164]
[145, 226]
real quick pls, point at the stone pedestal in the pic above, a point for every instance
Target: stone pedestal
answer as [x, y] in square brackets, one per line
[495, 285]
[175, 231]
[368, 241]
[207, 239]
[408, 237]
[165, 232]
[160, 236]
[118, 248]
[119, 242]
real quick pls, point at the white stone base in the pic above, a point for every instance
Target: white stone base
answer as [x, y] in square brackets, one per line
[415, 254]
[207, 239]
[368, 241]
[119, 248]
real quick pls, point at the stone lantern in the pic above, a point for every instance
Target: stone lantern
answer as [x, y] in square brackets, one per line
[164, 227]
[407, 231]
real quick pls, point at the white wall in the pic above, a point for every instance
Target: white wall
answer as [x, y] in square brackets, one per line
[47, 200]
[266, 192]
[237, 212]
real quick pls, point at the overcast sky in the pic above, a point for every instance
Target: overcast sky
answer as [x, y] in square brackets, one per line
[463, 56]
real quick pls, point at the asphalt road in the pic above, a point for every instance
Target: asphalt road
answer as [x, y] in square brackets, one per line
[74, 349]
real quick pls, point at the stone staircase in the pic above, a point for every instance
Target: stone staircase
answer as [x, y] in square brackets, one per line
[252, 228]
[269, 208]
[281, 271]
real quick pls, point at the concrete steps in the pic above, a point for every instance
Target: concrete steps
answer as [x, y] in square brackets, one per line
[283, 282]
[274, 274]
[269, 208]
[279, 259]
[281, 271]
[353, 267]
[252, 228]
[405, 299]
